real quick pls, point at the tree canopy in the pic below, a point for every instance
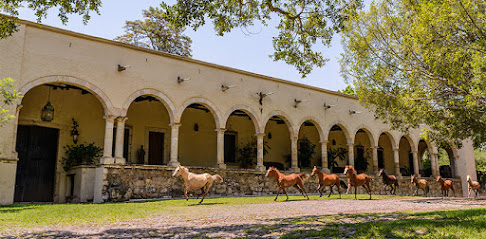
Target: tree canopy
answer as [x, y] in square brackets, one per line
[305, 27]
[155, 32]
[419, 62]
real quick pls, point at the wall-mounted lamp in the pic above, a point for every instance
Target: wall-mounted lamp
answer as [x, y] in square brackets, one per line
[269, 135]
[224, 88]
[297, 102]
[180, 80]
[262, 95]
[352, 112]
[326, 106]
[75, 131]
[47, 113]
[122, 68]
[196, 127]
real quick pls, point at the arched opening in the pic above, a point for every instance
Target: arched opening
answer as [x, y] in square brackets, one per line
[197, 137]
[147, 132]
[363, 155]
[277, 139]
[42, 142]
[240, 144]
[337, 149]
[309, 150]
[425, 163]
[447, 167]
[385, 153]
[405, 157]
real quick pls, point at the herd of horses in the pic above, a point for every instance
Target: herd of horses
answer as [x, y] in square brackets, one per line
[204, 182]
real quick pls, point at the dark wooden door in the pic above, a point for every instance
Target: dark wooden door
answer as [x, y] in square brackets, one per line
[230, 148]
[156, 148]
[37, 149]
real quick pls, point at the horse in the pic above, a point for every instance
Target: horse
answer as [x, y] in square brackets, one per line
[420, 184]
[357, 180]
[472, 186]
[389, 180]
[285, 181]
[445, 185]
[196, 181]
[327, 180]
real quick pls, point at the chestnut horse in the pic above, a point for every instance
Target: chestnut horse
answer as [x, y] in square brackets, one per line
[285, 181]
[445, 185]
[472, 186]
[389, 180]
[196, 181]
[328, 180]
[357, 180]
[420, 184]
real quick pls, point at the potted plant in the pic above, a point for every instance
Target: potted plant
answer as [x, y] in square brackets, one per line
[82, 154]
[332, 155]
[361, 162]
[306, 150]
[247, 155]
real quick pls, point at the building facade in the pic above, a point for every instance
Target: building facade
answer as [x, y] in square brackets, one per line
[156, 110]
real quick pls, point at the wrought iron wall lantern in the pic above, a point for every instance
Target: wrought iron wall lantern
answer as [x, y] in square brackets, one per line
[196, 127]
[75, 131]
[47, 113]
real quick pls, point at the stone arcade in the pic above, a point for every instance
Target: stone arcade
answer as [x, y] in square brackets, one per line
[201, 123]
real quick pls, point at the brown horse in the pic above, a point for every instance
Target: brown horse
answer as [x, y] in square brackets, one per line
[328, 180]
[472, 186]
[445, 185]
[285, 181]
[358, 180]
[420, 184]
[389, 180]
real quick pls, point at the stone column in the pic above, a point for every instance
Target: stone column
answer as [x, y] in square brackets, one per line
[416, 169]
[260, 145]
[174, 145]
[108, 144]
[374, 151]
[294, 154]
[220, 148]
[324, 162]
[396, 159]
[120, 133]
[434, 164]
[351, 154]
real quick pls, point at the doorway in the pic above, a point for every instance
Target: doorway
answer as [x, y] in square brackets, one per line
[156, 148]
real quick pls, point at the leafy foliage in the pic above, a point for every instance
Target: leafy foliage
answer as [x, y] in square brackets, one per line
[155, 32]
[304, 25]
[247, 155]
[306, 150]
[421, 62]
[480, 156]
[349, 90]
[361, 162]
[8, 25]
[8, 96]
[81, 154]
[336, 153]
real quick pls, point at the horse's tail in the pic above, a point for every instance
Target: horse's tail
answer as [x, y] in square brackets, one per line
[343, 184]
[218, 178]
[303, 176]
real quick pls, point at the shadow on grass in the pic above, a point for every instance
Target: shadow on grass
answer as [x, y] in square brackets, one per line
[207, 203]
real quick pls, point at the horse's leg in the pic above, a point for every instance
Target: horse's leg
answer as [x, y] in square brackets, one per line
[469, 192]
[185, 193]
[278, 192]
[338, 184]
[369, 188]
[207, 186]
[392, 189]
[330, 190]
[202, 192]
[301, 186]
[283, 189]
[300, 190]
[349, 187]
[384, 189]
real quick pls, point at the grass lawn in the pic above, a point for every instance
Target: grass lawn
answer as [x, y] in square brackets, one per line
[34, 215]
[466, 223]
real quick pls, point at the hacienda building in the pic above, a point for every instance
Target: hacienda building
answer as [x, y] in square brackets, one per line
[150, 111]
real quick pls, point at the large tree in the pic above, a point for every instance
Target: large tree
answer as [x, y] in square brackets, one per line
[155, 32]
[305, 26]
[421, 62]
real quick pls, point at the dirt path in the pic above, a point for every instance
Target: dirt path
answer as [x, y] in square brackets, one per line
[254, 220]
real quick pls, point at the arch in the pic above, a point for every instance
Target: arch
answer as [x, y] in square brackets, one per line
[390, 137]
[368, 132]
[207, 103]
[343, 127]
[97, 92]
[283, 116]
[155, 93]
[410, 140]
[314, 121]
[248, 110]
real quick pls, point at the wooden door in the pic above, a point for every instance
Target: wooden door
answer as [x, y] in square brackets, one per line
[230, 148]
[37, 150]
[156, 148]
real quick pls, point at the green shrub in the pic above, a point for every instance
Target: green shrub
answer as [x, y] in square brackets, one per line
[81, 154]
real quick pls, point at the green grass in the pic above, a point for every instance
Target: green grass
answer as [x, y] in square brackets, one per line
[466, 223]
[34, 215]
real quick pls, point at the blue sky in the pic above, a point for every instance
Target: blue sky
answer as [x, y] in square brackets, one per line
[236, 49]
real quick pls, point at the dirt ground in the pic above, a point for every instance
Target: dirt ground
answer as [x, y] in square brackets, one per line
[255, 220]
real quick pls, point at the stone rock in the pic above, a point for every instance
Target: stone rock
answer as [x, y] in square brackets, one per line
[120, 193]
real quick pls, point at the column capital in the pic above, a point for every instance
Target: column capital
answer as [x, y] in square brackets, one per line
[350, 145]
[260, 134]
[121, 119]
[110, 118]
[19, 107]
[175, 125]
[414, 151]
[375, 147]
[434, 153]
[220, 130]
[396, 149]
[324, 142]
[294, 138]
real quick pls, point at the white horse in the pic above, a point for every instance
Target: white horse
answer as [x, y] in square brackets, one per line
[196, 181]
[472, 186]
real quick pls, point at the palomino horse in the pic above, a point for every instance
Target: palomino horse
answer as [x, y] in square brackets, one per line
[472, 186]
[445, 185]
[420, 184]
[328, 180]
[285, 181]
[196, 181]
[389, 180]
[357, 180]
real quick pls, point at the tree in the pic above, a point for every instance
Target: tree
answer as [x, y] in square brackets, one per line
[418, 62]
[349, 90]
[155, 32]
[7, 96]
[304, 25]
